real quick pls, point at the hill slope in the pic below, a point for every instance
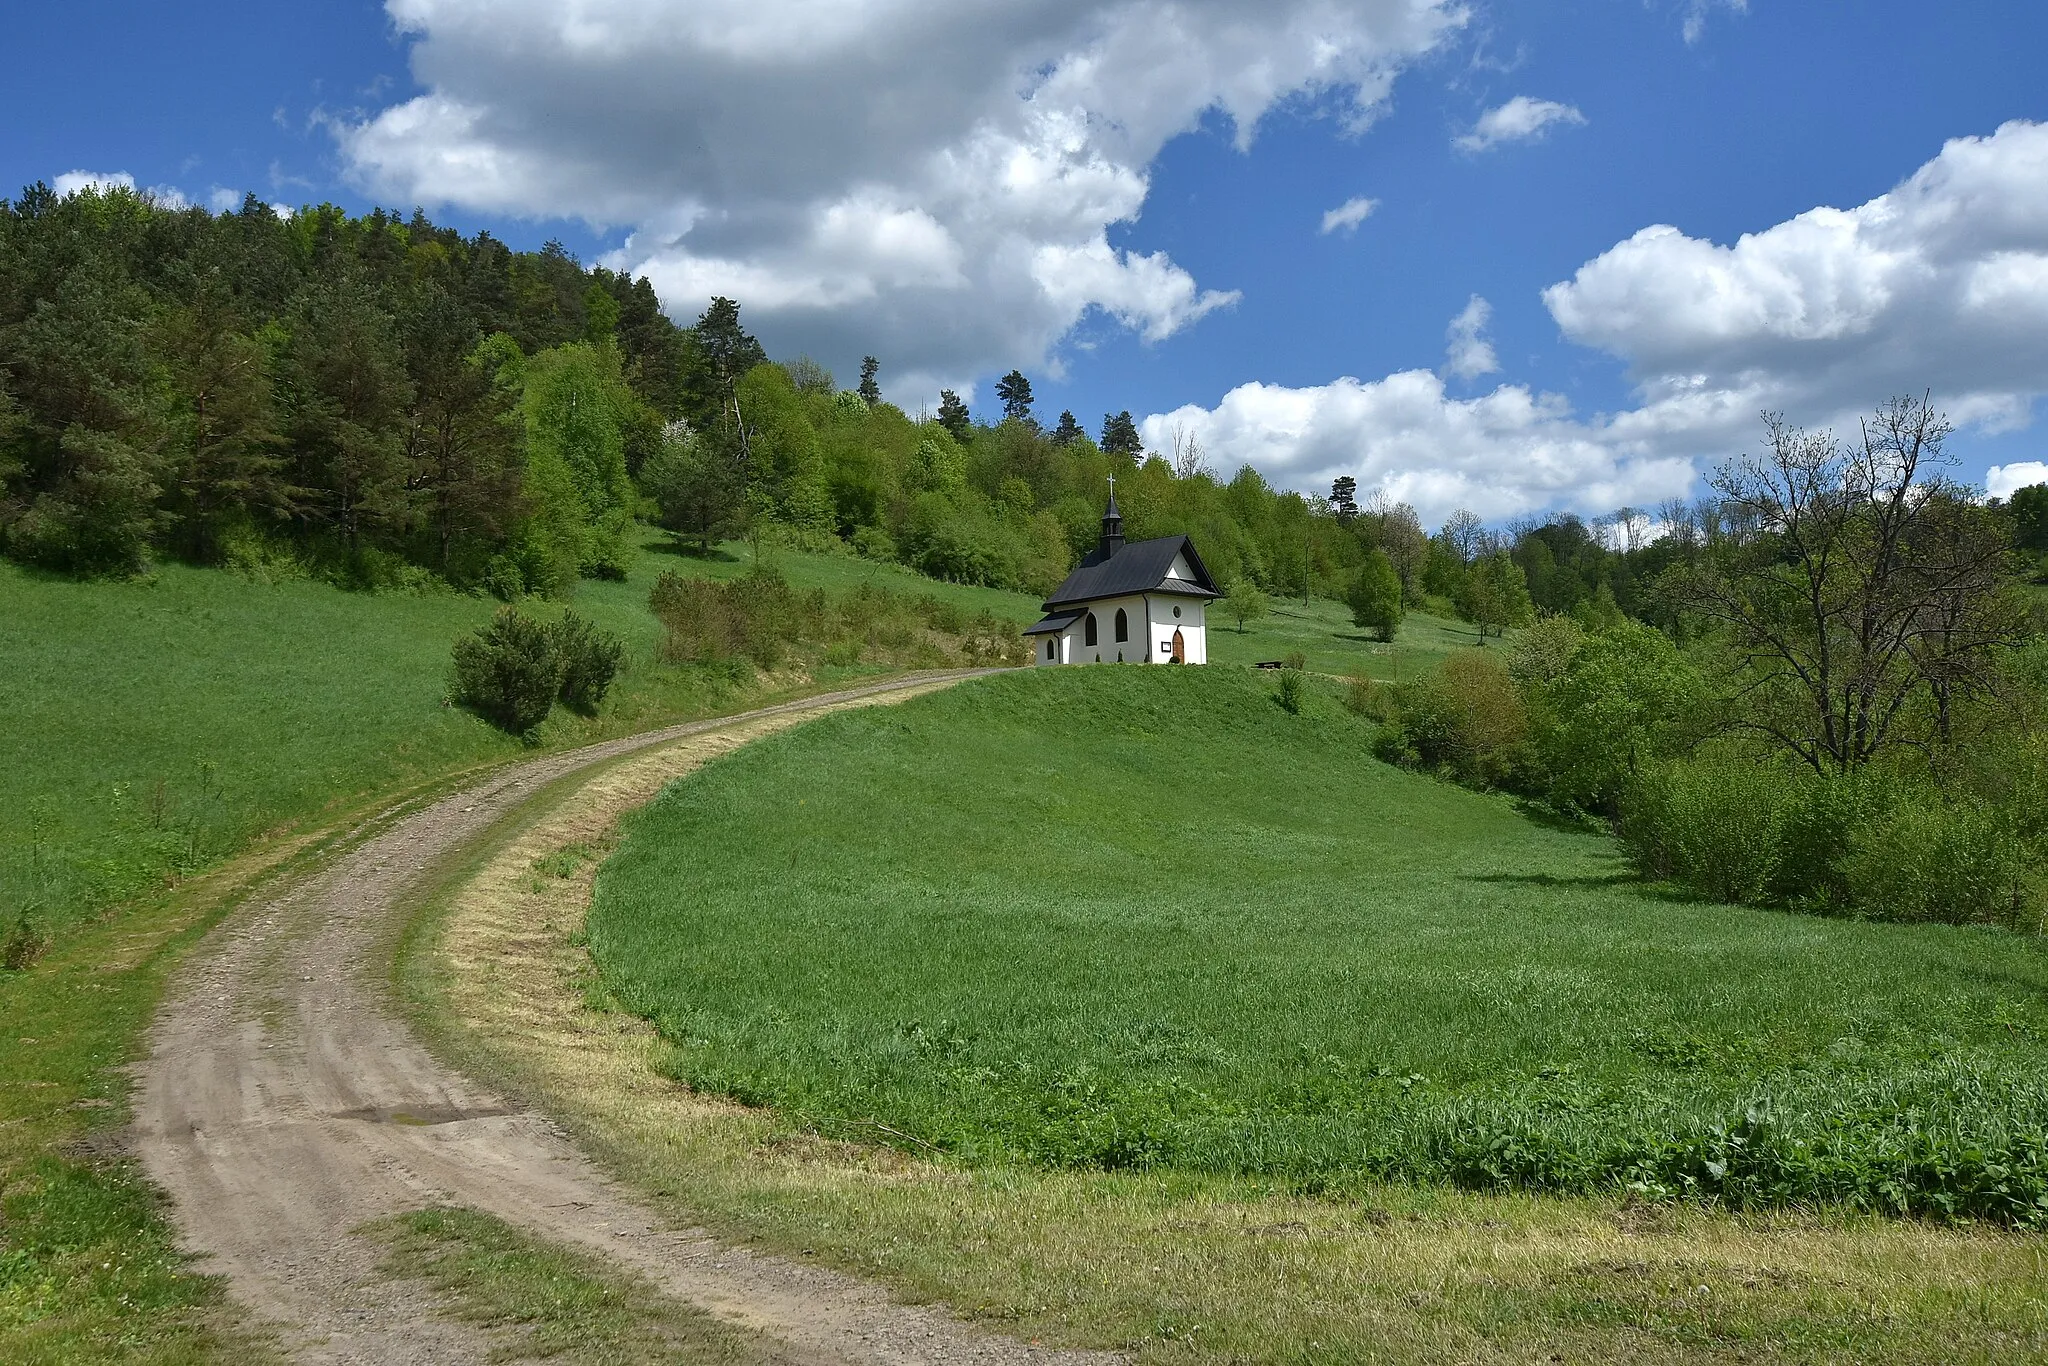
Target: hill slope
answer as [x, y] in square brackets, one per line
[1144, 917]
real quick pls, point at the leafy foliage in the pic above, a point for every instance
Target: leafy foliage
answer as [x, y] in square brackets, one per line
[1375, 598]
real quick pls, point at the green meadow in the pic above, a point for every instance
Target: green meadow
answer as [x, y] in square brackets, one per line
[152, 726]
[1144, 918]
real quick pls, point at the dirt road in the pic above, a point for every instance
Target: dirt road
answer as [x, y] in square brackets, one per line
[284, 1104]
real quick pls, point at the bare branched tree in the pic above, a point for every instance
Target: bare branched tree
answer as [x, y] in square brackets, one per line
[1864, 592]
[1392, 526]
[1187, 453]
[1463, 533]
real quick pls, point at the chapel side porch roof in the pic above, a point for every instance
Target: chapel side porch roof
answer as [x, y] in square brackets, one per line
[1052, 625]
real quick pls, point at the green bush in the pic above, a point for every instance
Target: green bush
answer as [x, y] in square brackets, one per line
[509, 673]
[1467, 720]
[1882, 845]
[1959, 862]
[590, 660]
[1620, 700]
[1715, 824]
[1375, 597]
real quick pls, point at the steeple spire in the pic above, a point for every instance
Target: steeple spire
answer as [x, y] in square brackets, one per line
[1112, 524]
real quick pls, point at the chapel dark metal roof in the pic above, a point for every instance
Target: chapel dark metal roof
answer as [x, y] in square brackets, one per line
[1139, 567]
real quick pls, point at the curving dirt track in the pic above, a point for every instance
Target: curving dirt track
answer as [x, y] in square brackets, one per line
[284, 1103]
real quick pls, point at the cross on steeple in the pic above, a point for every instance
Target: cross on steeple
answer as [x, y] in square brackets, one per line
[1112, 525]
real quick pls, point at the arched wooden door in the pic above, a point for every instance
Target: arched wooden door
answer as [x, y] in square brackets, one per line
[1180, 647]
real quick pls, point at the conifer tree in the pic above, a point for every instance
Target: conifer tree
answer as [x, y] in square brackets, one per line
[953, 414]
[1015, 392]
[1120, 436]
[869, 390]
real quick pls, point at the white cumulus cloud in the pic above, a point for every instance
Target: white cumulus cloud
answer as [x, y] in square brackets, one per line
[930, 182]
[1939, 285]
[1521, 119]
[1499, 454]
[1347, 216]
[71, 182]
[1470, 354]
[2002, 481]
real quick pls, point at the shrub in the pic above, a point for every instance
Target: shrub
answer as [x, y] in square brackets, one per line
[1877, 844]
[1959, 862]
[1621, 699]
[1716, 824]
[590, 660]
[510, 672]
[705, 621]
[1467, 720]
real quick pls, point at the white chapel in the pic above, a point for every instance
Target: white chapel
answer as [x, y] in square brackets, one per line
[1129, 604]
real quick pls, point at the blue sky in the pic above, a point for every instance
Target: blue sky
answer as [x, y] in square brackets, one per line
[1148, 255]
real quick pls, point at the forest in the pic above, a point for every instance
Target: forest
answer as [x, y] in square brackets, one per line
[384, 402]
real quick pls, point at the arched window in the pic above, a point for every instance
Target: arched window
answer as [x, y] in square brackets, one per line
[1123, 626]
[1088, 630]
[1052, 650]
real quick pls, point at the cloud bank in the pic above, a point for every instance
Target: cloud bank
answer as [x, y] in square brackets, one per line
[929, 181]
[1940, 284]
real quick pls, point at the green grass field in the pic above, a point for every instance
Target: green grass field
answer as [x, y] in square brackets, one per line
[153, 726]
[1127, 917]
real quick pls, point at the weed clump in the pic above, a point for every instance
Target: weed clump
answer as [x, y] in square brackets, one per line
[24, 942]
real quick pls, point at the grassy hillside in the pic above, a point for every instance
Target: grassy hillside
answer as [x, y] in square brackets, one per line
[155, 724]
[1319, 629]
[1145, 917]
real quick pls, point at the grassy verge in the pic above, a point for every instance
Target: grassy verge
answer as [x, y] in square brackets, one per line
[88, 1267]
[538, 1300]
[1179, 1265]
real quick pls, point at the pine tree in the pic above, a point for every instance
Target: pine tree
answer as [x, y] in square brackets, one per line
[1120, 436]
[724, 353]
[953, 414]
[1068, 431]
[347, 394]
[226, 458]
[1015, 392]
[1344, 497]
[869, 390]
